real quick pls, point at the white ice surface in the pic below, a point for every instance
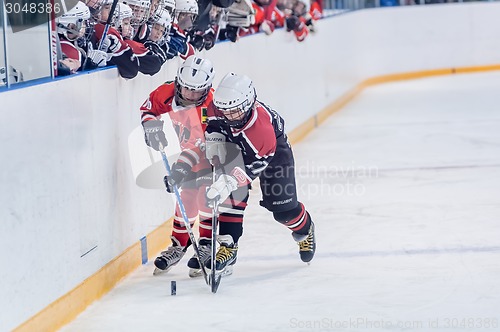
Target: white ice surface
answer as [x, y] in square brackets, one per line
[404, 187]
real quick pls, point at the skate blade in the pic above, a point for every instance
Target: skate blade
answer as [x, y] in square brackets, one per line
[158, 271]
[228, 270]
[195, 273]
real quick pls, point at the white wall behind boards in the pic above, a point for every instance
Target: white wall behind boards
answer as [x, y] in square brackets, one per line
[67, 182]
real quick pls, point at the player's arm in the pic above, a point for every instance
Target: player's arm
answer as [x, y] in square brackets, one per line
[155, 105]
[152, 109]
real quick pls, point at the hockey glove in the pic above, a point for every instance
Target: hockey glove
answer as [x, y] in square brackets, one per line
[99, 58]
[292, 23]
[197, 41]
[156, 49]
[110, 44]
[220, 190]
[178, 173]
[215, 147]
[232, 33]
[154, 135]
[177, 45]
[209, 39]
[267, 27]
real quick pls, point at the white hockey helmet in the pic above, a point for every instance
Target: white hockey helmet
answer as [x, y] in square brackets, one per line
[140, 10]
[195, 74]
[163, 19]
[186, 6]
[95, 7]
[186, 12]
[169, 5]
[234, 98]
[15, 76]
[73, 21]
[122, 11]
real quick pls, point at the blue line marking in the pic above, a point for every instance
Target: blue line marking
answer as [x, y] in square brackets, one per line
[144, 250]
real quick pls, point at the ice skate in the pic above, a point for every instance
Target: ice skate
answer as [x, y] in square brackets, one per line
[307, 244]
[225, 257]
[204, 247]
[169, 257]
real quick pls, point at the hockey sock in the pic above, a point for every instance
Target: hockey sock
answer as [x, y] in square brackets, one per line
[235, 229]
[297, 219]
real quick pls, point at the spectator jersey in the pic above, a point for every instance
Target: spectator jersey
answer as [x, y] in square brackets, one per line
[149, 63]
[269, 14]
[262, 140]
[124, 58]
[316, 10]
[189, 123]
[70, 50]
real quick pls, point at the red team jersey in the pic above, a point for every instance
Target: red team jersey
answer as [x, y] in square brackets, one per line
[189, 122]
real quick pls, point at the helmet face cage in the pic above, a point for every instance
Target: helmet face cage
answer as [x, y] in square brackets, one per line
[237, 116]
[186, 12]
[73, 23]
[154, 10]
[140, 10]
[122, 13]
[182, 101]
[169, 6]
[97, 8]
[161, 21]
[195, 74]
[234, 99]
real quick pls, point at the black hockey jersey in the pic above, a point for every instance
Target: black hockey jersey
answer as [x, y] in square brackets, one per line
[261, 142]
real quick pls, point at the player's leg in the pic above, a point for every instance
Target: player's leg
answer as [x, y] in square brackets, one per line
[180, 237]
[230, 230]
[279, 195]
[205, 226]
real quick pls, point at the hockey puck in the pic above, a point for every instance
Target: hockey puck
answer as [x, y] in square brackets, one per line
[173, 287]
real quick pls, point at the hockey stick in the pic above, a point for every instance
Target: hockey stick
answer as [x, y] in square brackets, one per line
[184, 215]
[220, 19]
[214, 279]
[108, 23]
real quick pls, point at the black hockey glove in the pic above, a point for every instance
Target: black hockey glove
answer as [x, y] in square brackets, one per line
[209, 39]
[292, 23]
[197, 41]
[154, 135]
[223, 3]
[178, 173]
[156, 49]
[232, 33]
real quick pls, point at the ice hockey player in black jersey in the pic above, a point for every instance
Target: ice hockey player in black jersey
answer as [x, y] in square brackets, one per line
[246, 139]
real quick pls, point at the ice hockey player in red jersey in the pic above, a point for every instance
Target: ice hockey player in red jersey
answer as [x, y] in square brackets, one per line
[247, 127]
[185, 101]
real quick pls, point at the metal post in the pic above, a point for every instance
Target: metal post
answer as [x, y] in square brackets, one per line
[52, 32]
[7, 71]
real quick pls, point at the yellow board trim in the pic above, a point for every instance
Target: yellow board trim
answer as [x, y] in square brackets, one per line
[299, 133]
[65, 309]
